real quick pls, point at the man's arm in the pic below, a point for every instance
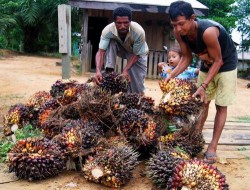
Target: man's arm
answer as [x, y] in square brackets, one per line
[210, 38]
[99, 60]
[132, 60]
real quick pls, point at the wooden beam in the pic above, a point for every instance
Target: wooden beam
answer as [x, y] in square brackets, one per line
[84, 43]
[64, 27]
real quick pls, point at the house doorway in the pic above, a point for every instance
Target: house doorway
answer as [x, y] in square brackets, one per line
[95, 27]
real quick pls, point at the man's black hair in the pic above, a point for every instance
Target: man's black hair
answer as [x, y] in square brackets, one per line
[122, 11]
[180, 8]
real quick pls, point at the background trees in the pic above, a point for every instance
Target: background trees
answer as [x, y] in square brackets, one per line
[241, 10]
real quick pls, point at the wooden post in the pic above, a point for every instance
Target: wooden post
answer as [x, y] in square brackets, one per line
[64, 27]
[84, 43]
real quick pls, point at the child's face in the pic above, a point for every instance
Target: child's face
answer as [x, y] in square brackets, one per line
[173, 58]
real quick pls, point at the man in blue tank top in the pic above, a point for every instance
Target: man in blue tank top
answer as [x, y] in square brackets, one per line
[217, 78]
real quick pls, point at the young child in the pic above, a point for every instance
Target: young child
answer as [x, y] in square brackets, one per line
[174, 56]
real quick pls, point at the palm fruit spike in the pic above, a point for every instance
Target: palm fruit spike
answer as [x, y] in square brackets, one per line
[46, 109]
[58, 88]
[113, 82]
[160, 166]
[178, 100]
[35, 159]
[113, 167]
[195, 174]
[18, 114]
[192, 144]
[138, 127]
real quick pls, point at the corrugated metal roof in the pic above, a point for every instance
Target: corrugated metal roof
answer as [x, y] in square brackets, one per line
[194, 3]
[157, 6]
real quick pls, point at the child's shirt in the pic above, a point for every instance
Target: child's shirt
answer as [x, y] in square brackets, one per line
[189, 73]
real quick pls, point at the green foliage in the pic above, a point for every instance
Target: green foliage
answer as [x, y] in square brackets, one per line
[5, 147]
[35, 21]
[23, 133]
[219, 11]
[242, 149]
[242, 12]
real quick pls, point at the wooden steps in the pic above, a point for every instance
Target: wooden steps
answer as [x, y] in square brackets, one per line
[234, 141]
[234, 133]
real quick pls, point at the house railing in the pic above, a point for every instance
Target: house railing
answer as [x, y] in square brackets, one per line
[154, 57]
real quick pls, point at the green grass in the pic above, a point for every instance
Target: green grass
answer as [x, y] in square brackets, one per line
[243, 119]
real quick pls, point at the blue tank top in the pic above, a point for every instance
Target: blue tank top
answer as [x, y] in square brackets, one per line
[228, 50]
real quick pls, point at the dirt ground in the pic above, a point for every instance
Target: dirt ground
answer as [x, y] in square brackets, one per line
[21, 76]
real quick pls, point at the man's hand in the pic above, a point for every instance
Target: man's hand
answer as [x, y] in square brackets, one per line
[98, 78]
[200, 92]
[126, 75]
[168, 78]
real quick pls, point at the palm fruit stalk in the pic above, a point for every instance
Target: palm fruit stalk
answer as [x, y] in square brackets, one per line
[69, 111]
[18, 114]
[58, 88]
[96, 104]
[177, 99]
[192, 144]
[114, 82]
[195, 174]
[138, 127]
[160, 166]
[35, 159]
[112, 167]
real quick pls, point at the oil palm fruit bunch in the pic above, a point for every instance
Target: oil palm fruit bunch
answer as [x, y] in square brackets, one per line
[69, 140]
[112, 167]
[177, 99]
[138, 127]
[54, 126]
[46, 109]
[195, 174]
[135, 101]
[58, 88]
[114, 82]
[174, 83]
[90, 134]
[37, 100]
[35, 159]
[161, 165]
[35, 103]
[18, 114]
[192, 144]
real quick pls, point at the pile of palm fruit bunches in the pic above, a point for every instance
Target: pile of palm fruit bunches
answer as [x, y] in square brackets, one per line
[105, 130]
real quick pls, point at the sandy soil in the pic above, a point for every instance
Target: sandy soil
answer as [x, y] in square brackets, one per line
[21, 76]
